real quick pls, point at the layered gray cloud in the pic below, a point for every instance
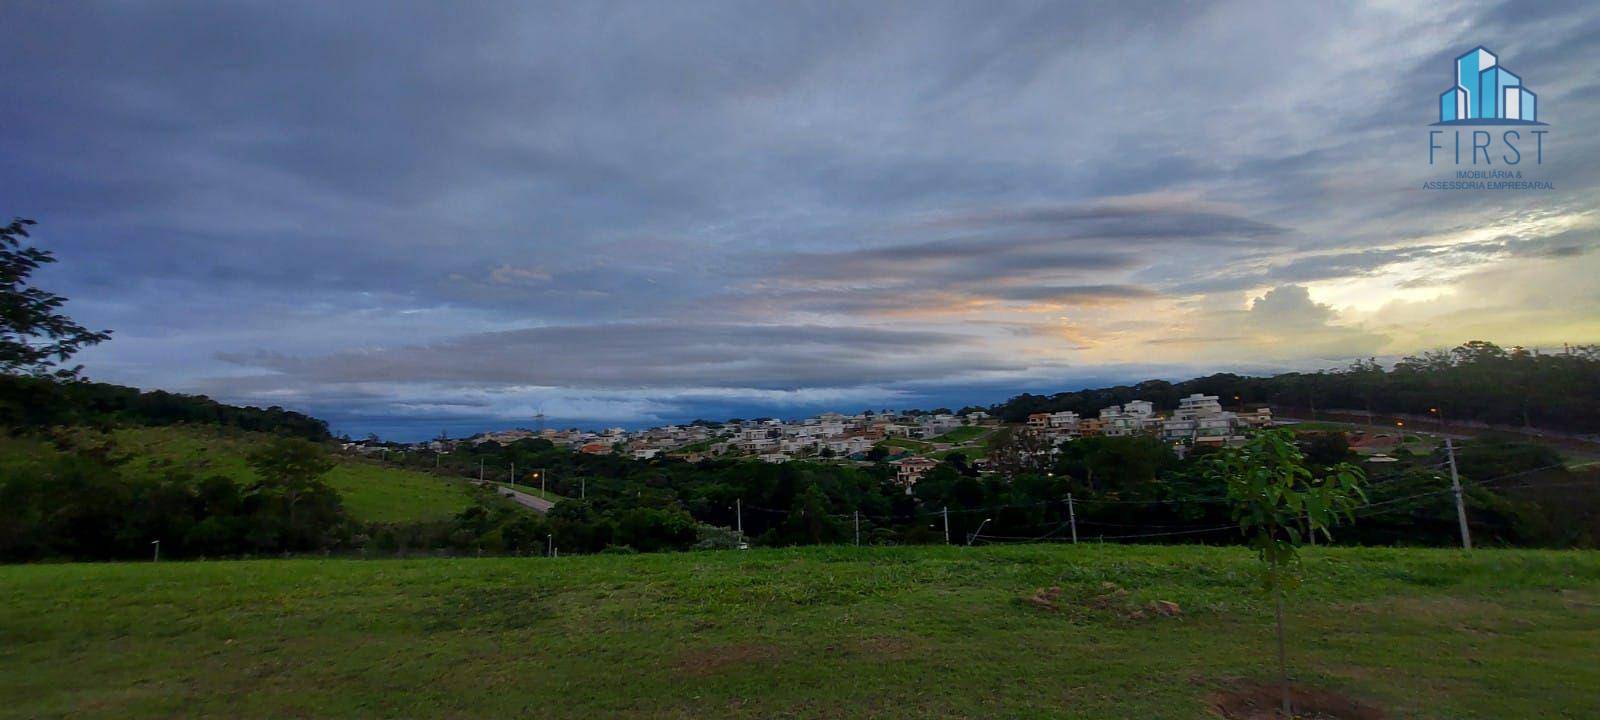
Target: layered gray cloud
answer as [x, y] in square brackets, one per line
[385, 209]
[654, 355]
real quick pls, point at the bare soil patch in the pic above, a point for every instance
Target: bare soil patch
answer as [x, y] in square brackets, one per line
[884, 647]
[1255, 700]
[1112, 599]
[711, 660]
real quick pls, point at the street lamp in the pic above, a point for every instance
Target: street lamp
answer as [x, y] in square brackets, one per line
[974, 535]
[1439, 416]
[1401, 424]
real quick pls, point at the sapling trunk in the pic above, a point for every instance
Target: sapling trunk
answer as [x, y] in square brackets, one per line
[1283, 658]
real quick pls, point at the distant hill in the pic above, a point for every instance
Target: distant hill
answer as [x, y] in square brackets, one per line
[1477, 381]
[27, 401]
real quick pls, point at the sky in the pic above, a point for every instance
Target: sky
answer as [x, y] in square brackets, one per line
[413, 217]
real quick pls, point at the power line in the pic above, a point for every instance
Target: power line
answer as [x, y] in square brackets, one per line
[1508, 476]
[1195, 531]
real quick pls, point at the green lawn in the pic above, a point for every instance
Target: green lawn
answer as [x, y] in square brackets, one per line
[966, 433]
[375, 493]
[814, 632]
[371, 491]
[978, 452]
[915, 446]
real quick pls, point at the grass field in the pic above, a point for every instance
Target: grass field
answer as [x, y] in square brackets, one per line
[915, 446]
[371, 491]
[975, 452]
[815, 632]
[962, 434]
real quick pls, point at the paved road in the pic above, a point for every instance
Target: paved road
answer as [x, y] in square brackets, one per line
[535, 502]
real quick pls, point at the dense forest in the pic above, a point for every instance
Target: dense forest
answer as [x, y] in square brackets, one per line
[1477, 381]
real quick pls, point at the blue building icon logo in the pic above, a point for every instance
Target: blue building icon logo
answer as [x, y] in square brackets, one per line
[1486, 93]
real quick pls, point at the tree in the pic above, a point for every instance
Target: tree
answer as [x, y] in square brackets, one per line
[808, 520]
[34, 337]
[1128, 466]
[289, 470]
[1273, 494]
[1017, 451]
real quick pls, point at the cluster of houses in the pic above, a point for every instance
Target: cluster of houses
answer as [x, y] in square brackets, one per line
[831, 435]
[1199, 419]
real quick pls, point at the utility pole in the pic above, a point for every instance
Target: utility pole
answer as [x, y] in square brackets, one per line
[947, 524]
[550, 545]
[480, 471]
[1455, 484]
[157, 557]
[858, 528]
[583, 488]
[738, 511]
[513, 472]
[1072, 517]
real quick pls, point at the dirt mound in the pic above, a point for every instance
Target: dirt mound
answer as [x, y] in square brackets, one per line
[1263, 701]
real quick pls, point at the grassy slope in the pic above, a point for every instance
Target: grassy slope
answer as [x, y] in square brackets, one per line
[915, 446]
[975, 452]
[962, 434]
[371, 491]
[818, 632]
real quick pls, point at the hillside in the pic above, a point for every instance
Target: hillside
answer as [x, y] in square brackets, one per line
[813, 632]
[29, 401]
[1475, 382]
[370, 491]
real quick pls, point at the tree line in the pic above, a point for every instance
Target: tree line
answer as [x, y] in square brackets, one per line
[1120, 488]
[1476, 381]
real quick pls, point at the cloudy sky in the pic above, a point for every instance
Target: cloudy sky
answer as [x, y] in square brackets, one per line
[408, 217]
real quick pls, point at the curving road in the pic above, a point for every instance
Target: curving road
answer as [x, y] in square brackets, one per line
[534, 502]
